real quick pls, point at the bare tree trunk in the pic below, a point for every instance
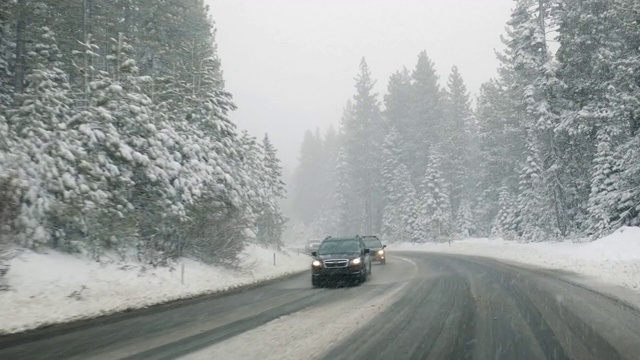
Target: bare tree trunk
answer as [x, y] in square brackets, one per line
[20, 48]
[86, 34]
[118, 56]
[543, 26]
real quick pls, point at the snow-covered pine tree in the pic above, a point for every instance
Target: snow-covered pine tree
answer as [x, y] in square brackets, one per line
[6, 47]
[160, 25]
[457, 140]
[628, 199]
[363, 129]
[274, 170]
[8, 198]
[408, 208]
[500, 146]
[535, 222]
[399, 213]
[624, 96]
[224, 202]
[542, 107]
[50, 148]
[271, 222]
[207, 101]
[596, 96]
[215, 161]
[106, 225]
[399, 103]
[391, 230]
[342, 223]
[391, 157]
[532, 79]
[141, 155]
[465, 224]
[435, 206]
[628, 100]
[392, 215]
[505, 223]
[253, 180]
[6, 96]
[605, 182]
[427, 114]
[202, 111]
[129, 157]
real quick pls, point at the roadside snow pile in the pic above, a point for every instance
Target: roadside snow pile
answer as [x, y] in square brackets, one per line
[53, 287]
[622, 245]
[614, 259]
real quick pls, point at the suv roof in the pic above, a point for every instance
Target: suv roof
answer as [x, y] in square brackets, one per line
[357, 237]
[372, 239]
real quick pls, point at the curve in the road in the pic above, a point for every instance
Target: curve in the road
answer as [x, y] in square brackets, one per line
[474, 308]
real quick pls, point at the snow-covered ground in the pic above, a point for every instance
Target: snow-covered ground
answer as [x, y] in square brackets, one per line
[614, 259]
[53, 287]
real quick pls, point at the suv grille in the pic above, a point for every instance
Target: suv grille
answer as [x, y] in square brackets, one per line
[336, 263]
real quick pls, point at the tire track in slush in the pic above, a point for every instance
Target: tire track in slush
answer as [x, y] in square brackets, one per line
[467, 308]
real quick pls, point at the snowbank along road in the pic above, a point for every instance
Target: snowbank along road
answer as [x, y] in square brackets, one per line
[418, 306]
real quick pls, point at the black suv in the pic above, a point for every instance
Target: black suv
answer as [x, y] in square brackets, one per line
[339, 259]
[377, 250]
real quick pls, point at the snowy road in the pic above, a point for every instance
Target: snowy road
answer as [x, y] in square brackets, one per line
[420, 305]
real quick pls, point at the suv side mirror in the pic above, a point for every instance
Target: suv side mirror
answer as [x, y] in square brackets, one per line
[384, 246]
[314, 253]
[366, 251]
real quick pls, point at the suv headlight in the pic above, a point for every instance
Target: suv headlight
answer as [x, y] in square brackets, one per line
[356, 261]
[380, 252]
[316, 263]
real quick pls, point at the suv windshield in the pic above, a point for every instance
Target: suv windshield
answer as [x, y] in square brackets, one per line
[339, 247]
[372, 243]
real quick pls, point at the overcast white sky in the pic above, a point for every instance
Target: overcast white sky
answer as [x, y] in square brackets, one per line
[290, 64]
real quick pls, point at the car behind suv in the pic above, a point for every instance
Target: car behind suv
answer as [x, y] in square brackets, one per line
[339, 259]
[377, 250]
[312, 245]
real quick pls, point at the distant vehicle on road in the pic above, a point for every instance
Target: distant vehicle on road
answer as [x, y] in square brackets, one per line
[339, 259]
[376, 249]
[312, 245]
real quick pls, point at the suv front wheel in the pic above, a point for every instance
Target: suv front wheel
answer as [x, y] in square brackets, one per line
[365, 273]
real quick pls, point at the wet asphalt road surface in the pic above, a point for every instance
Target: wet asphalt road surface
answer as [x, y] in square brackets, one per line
[450, 307]
[474, 308]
